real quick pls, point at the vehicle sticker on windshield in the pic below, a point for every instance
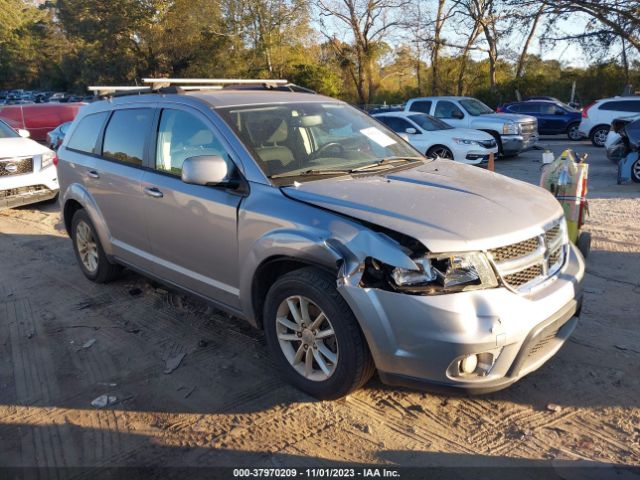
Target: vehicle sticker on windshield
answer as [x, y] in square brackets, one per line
[378, 136]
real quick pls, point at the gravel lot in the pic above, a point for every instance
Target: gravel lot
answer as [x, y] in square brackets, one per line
[65, 341]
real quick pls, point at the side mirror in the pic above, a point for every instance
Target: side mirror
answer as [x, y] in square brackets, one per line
[205, 170]
[24, 133]
[411, 131]
[457, 114]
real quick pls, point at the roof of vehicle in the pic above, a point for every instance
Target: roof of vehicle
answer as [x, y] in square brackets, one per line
[445, 97]
[621, 97]
[220, 98]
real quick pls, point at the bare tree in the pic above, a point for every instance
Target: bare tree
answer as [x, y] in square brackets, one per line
[367, 21]
[535, 21]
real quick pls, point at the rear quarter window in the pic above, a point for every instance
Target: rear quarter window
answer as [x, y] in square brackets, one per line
[423, 106]
[622, 106]
[126, 134]
[85, 136]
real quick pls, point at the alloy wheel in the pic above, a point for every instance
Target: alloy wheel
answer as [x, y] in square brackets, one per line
[442, 153]
[307, 338]
[600, 136]
[574, 133]
[87, 247]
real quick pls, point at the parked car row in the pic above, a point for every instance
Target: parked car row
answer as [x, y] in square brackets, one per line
[25, 97]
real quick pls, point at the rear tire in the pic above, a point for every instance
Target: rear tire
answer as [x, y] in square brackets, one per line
[347, 364]
[599, 135]
[89, 252]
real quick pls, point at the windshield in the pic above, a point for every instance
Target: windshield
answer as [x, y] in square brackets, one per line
[475, 107]
[429, 123]
[313, 139]
[6, 131]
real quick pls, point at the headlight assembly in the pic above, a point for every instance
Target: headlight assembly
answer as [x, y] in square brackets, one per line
[46, 160]
[465, 141]
[510, 129]
[436, 274]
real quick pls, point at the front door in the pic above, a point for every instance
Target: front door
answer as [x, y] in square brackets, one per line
[192, 228]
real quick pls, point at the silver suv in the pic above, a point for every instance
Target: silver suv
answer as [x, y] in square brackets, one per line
[318, 224]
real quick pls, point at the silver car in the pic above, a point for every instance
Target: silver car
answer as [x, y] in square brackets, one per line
[316, 223]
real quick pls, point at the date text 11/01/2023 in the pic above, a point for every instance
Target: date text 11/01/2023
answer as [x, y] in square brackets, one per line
[315, 473]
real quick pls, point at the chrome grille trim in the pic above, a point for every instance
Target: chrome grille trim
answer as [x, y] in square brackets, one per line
[525, 264]
[15, 166]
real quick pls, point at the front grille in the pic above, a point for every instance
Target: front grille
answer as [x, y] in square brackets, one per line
[18, 166]
[516, 250]
[529, 262]
[518, 279]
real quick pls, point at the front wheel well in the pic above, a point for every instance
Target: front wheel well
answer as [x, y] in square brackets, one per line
[266, 275]
[70, 208]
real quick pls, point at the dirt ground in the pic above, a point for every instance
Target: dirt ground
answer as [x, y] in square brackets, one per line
[65, 341]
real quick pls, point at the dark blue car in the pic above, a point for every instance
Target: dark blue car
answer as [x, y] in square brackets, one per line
[553, 117]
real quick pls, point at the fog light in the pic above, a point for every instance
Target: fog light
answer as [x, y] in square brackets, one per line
[469, 363]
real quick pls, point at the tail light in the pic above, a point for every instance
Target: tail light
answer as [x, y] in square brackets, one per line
[499, 109]
[55, 160]
[585, 110]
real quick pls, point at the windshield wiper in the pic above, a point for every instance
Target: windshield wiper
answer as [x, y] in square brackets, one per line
[311, 172]
[385, 162]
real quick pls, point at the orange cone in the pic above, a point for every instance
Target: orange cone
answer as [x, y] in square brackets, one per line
[491, 165]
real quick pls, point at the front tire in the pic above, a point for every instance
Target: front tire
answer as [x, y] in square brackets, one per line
[314, 337]
[635, 171]
[573, 132]
[89, 252]
[440, 151]
[599, 135]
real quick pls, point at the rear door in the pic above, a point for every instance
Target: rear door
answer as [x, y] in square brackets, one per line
[192, 228]
[114, 182]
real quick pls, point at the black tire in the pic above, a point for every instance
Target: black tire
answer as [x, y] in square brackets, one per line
[635, 171]
[105, 271]
[573, 133]
[598, 135]
[440, 151]
[498, 140]
[584, 243]
[354, 366]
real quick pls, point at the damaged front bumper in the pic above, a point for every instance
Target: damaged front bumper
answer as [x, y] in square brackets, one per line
[417, 340]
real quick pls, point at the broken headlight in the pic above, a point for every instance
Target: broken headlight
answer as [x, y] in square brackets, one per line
[438, 274]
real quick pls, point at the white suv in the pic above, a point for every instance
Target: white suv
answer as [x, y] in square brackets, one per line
[597, 117]
[27, 169]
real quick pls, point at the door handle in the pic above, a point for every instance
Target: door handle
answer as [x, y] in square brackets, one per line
[93, 174]
[153, 192]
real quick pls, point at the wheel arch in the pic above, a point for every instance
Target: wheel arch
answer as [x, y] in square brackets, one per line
[77, 197]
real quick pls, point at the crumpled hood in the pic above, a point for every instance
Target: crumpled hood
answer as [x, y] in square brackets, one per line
[20, 147]
[445, 205]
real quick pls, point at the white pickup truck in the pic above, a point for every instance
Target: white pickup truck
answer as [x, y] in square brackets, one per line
[27, 170]
[514, 133]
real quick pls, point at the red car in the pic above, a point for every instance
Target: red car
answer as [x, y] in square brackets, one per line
[39, 118]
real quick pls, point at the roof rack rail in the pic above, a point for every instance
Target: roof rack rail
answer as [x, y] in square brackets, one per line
[182, 85]
[157, 83]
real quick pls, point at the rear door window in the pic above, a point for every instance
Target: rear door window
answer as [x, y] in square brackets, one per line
[396, 124]
[423, 106]
[85, 136]
[126, 134]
